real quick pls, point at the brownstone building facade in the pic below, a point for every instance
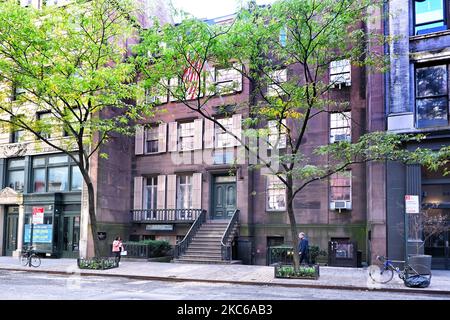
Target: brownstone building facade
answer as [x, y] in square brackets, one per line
[183, 165]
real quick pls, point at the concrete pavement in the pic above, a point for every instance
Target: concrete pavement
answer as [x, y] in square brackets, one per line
[330, 277]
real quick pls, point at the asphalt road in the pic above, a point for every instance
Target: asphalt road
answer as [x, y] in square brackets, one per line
[20, 285]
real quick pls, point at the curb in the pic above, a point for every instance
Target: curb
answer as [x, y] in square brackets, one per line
[256, 283]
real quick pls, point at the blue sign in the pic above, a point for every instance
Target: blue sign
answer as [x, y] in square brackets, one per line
[42, 233]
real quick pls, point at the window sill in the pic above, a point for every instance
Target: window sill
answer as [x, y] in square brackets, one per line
[276, 211]
[430, 35]
[152, 153]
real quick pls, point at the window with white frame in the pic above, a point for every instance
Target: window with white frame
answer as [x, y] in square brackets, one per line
[275, 194]
[186, 136]
[340, 73]
[228, 80]
[151, 139]
[277, 134]
[276, 78]
[184, 192]
[151, 193]
[223, 139]
[341, 186]
[340, 126]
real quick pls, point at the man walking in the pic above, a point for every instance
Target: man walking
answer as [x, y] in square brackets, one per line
[303, 248]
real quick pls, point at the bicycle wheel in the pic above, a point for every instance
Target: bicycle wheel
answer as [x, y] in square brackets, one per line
[35, 261]
[24, 259]
[380, 274]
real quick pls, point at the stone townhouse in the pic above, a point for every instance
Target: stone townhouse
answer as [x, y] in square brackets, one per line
[184, 167]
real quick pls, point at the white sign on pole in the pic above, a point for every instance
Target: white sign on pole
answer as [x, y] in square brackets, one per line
[412, 204]
[38, 215]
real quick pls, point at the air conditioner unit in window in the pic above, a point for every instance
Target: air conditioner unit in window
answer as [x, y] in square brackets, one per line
[340, 205]
[340, 137]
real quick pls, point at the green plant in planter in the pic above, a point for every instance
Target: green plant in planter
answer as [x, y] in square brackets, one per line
[288, 272]
[314, 252]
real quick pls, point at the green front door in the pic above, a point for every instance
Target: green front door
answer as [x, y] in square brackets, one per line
[71, 236]
[224, 197]
[12, 223]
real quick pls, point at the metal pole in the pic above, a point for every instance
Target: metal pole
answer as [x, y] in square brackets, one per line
[31, 241]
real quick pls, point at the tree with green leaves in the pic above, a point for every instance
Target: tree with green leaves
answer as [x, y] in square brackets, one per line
[306, 36]
[71, 64]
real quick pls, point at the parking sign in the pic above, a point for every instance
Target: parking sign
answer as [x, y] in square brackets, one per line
[38, 215]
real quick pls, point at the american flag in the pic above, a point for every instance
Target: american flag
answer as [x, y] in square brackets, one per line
[191, 79]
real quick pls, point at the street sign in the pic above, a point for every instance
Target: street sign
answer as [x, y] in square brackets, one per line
[38, 215]
[412, 204]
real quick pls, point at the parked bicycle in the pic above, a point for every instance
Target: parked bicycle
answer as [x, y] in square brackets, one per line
[30, 258]
[385, 272]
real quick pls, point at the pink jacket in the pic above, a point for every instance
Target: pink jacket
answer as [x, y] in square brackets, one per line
[116, 245]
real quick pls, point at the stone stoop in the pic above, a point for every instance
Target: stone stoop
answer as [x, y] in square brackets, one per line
[206, 244]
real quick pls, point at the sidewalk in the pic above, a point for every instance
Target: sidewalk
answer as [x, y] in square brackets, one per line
[330, 277]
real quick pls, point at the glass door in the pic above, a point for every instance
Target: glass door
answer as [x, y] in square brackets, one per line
[12, 223]
[71, 236]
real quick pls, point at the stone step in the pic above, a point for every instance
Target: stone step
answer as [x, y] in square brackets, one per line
[201, 246]
[191, 251]
[180, 260]
[202, 255]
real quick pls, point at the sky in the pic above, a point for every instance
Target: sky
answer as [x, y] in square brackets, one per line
[211, 8]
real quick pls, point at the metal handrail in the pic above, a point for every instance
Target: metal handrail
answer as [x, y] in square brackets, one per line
[181, 246]
[226, 248]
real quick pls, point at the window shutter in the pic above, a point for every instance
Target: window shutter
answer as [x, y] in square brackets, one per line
[162, 134]
[139, 141]
[171, 191]
[173, 136]
[197, 190]
[138, 188]
[237, 128]
[238, 86]
[161, 196]
[210, 81]
[198, 134]
[209, 134]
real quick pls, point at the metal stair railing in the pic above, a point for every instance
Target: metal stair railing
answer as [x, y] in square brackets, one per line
[226, 247]
[181, 247]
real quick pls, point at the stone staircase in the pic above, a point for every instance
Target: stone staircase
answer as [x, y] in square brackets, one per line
[205, 246]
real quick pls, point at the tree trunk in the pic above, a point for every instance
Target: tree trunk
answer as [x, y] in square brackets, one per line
[293, 223]
[92, 217]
